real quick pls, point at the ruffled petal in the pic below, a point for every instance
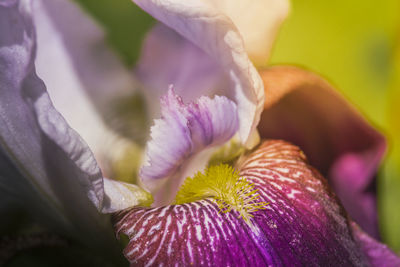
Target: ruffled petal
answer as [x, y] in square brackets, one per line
[215, 33]
[86, 81]
[304, 109]
[304, 224]
[184, 131]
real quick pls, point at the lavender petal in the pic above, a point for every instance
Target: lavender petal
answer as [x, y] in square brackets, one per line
[183, 132]
[47, 167]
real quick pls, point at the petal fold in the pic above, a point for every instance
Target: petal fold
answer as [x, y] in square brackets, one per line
[306, 110]
[184, 131]
[257, 21]
[86, 81]
[215, 33]
[47, 165]
[304, 224]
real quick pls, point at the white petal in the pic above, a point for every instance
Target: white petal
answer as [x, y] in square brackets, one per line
[120, 196]
[258, 22]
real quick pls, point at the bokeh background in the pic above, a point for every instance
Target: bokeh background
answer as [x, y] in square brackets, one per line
[354, 44]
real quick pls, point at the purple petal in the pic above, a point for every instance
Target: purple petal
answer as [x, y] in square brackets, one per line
[184, 131]
[85, 79]
[304, 224]
[47, 167]
[341, 144]
[30, 126]
[214, 32]
[378, 254]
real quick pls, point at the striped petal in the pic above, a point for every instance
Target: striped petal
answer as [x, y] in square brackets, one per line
[304, 224]
[179, 139]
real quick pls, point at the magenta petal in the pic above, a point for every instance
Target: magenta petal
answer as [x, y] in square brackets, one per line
[304, 224]
[307, 111]
[378, 254]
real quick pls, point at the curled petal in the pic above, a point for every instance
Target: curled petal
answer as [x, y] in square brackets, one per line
[183, 131]
[46, 167]
[85, 79]
[304, 224]
[306, 110]
[214, 32]
[33, 134]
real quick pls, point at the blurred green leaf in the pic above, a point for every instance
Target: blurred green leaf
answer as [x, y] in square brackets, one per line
[390, 184]
[124, 22]
[348, 42]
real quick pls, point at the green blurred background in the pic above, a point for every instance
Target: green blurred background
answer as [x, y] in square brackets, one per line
[354, 44]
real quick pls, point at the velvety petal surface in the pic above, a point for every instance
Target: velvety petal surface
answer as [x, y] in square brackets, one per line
[307, 111]
[179, 139]
[46, 166]
[214, 32]
[304, 224]
[86, 81]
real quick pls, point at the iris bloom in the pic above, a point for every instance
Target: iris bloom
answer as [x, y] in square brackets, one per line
[211, 112]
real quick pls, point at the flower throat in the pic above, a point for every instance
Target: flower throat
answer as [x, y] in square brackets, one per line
[223, 184]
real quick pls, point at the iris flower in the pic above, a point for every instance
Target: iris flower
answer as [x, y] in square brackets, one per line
[83, 120]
